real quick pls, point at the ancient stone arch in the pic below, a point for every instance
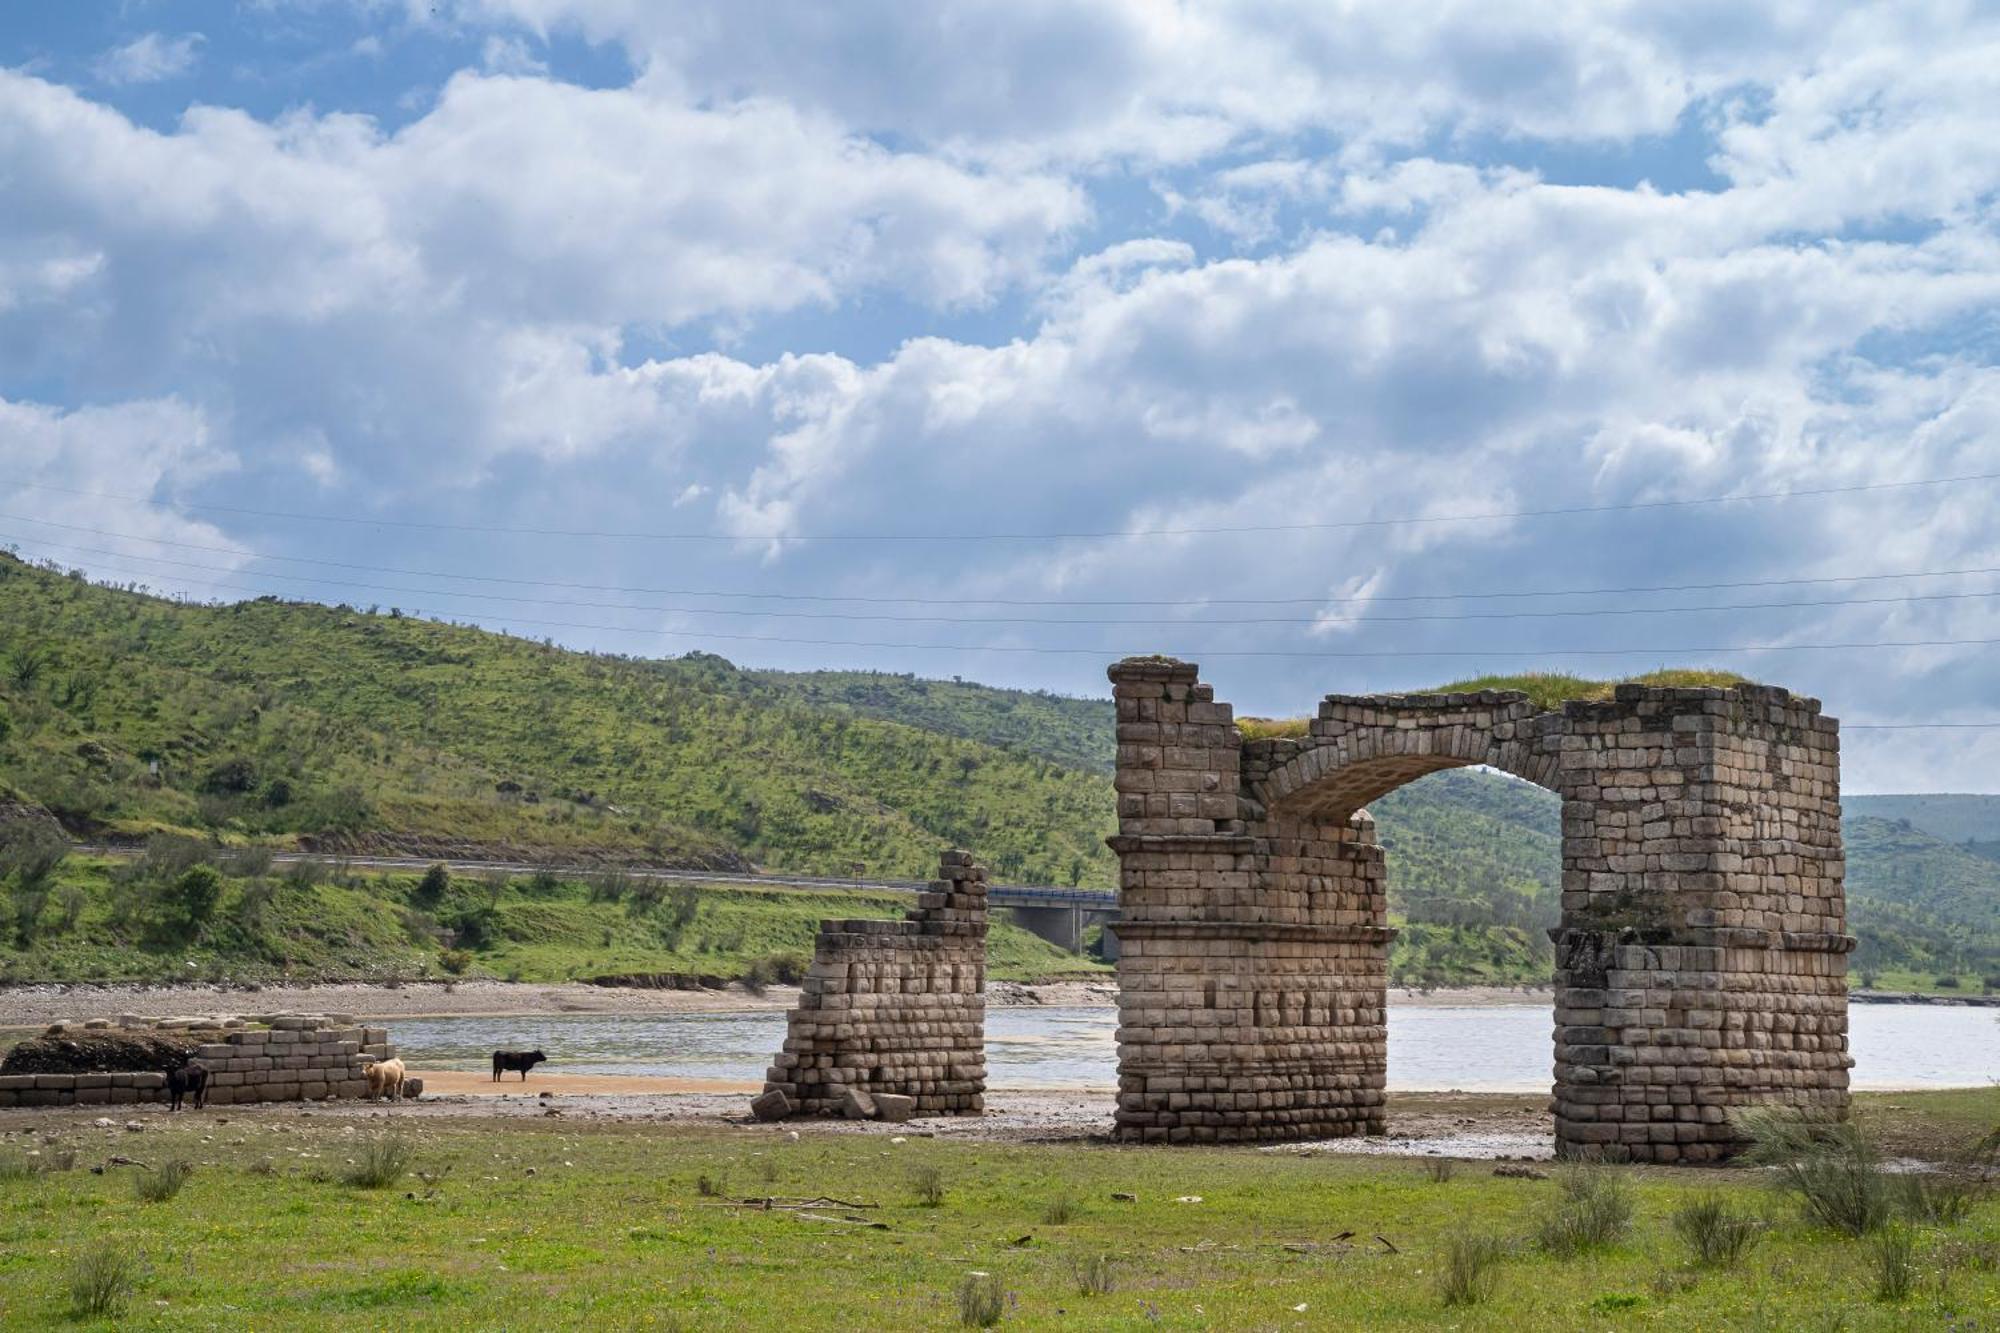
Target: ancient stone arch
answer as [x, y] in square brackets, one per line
[1700, 962]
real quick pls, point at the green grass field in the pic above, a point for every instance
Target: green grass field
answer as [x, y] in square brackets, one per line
[549, 1223]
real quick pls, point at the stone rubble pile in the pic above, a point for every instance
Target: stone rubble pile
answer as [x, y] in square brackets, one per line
[249, 1058]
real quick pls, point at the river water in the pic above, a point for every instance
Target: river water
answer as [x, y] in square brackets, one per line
[1473, 1048]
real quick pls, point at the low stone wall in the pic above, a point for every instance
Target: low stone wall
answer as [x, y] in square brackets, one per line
[893, 1007]
[261, 1058]
[81, 1089]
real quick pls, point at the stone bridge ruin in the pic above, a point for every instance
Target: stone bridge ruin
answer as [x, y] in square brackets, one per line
[1700, 963]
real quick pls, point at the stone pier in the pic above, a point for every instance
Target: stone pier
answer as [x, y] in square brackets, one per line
[894, 1007]
[1700, 964]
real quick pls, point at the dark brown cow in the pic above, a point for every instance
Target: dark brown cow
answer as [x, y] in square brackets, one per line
[191, 1077]
[521, 1060]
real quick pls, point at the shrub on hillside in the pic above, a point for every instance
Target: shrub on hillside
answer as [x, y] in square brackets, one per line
[30, 855]
[195, 894]
[455, 961]
[232, 777]
[436, 882]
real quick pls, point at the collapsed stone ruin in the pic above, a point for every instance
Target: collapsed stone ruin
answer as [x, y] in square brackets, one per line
[258, 1058]
[891, 1019]
[1700, 962]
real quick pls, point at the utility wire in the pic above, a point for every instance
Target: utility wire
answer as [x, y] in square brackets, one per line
[1108, 534]
[1192, 652]
[1495, 594]
[1595, 652]
[761, 613]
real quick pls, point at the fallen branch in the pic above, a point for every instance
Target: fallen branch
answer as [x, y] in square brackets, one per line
[774, 1203]
[842, 1221]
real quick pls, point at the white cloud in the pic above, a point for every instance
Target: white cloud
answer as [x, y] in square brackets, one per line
[152, 58]
[70, 475]
[1416, 323]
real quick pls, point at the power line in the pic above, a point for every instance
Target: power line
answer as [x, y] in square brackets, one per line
[1495, 594]
[760, 613]
[754, 538]
[1193, 652]
[1918, 726]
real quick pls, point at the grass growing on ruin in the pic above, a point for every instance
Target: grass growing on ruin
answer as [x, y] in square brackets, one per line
[598, 1224]
[1545, 689]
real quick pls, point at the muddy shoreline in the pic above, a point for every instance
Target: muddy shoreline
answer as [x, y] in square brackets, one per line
[34, 1005]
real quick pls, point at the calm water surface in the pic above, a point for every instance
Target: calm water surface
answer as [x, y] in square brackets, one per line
[1486, 1048]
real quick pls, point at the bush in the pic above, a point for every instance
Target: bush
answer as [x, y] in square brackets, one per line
[1061, 1210]
[435, 884]
[30, 855]
[168, 856]
[1716, 1233]
[1592, 1210]
[248, 862]
[163, 1184]
[1829, 1166]
[195, 894]
[102, 1278]
[455, 961]
[384, 1160]
[927, 1183]
[980, 1300]
[783, 968]
[1440, 1169]
[1893, 1259]
[232, 777]
[1945, 982]
[1470, 1268]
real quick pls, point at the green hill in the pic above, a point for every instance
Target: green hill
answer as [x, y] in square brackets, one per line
[357, 729]
[350, 729]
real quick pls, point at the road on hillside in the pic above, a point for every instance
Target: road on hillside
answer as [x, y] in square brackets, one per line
[1000, 895]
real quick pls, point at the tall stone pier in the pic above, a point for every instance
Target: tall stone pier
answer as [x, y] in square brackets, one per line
[1700, 963]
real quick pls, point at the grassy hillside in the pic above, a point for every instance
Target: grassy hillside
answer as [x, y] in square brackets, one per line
[357, 729]
[125, 714]
[1076, 733]
[1973, 822]
[133, 921]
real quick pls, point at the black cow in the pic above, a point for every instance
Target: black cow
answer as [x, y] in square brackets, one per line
[521, 1060]
[191, 1077]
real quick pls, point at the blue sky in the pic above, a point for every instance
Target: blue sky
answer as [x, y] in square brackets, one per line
[659, 328]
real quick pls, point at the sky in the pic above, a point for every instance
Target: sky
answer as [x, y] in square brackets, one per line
[1337, 347]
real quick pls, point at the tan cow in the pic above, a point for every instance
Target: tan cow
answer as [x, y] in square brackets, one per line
[385, 1078]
